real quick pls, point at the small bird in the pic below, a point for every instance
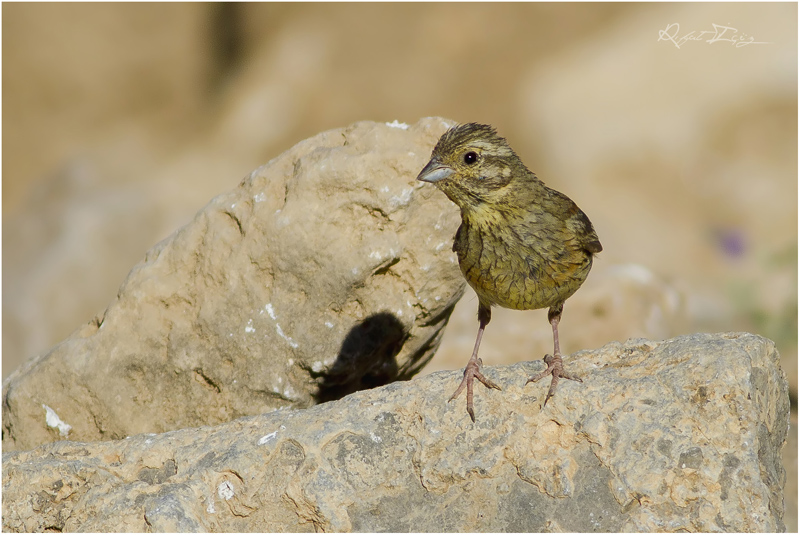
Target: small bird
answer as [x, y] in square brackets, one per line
[521, 245]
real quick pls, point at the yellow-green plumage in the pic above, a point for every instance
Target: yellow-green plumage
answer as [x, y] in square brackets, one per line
[521, 245]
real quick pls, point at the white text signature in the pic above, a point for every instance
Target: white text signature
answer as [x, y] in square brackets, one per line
[720, 34]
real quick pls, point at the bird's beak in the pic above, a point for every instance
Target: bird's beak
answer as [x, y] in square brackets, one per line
[434, 172]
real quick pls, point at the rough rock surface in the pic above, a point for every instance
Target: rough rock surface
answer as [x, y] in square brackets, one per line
[326, 271]
[683, 434]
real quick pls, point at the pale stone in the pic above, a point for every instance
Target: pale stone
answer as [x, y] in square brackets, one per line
[303, 284]
[679, 435]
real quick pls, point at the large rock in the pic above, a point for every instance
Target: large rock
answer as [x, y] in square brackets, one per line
[326, 271]
[683, 434]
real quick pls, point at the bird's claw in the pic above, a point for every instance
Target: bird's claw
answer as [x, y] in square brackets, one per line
[555, 367]
[472, 372]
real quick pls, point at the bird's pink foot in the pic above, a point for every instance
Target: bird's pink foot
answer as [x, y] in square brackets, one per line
[472, 372]
[555, 367]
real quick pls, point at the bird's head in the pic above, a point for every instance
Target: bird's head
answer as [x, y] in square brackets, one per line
[472, 165]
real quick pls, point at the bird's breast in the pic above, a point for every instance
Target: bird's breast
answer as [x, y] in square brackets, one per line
[519, 266]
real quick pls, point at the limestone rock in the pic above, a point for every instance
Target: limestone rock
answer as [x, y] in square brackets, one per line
[326, 271]
[683, 434]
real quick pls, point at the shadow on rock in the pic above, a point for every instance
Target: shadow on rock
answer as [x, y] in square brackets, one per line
[367, 358]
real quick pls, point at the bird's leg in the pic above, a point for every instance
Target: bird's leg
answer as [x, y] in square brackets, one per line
[472, 371]
[555, 366]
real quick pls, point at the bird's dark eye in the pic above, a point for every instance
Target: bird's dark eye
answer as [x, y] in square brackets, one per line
[470, 158]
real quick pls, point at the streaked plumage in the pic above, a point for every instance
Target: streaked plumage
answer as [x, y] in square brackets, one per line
[521, 245]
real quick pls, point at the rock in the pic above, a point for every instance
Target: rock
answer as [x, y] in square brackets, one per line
[326, 271]
[683, 434]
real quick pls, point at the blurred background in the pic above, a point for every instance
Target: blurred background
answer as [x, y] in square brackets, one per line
[120, 121]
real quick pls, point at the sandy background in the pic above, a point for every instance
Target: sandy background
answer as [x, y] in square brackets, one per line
[120, 121]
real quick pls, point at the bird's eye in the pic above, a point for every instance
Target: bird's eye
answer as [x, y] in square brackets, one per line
[470, 158]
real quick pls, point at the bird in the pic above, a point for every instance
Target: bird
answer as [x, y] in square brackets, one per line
[521, 245]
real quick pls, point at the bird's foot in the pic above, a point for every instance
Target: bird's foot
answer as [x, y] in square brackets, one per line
[472, 372]
[555, 367]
